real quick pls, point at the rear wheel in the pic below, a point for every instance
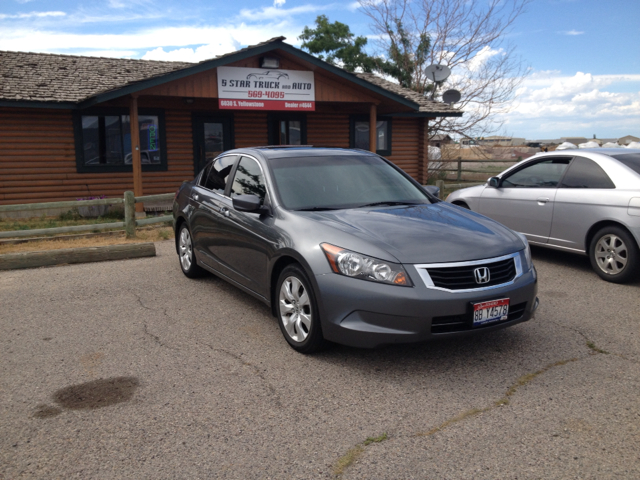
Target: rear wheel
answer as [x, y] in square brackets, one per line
[298, 311]
[614, 255]
[186, 254]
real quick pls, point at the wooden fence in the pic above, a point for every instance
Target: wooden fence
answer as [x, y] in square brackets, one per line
[129, 223]
[462, 183]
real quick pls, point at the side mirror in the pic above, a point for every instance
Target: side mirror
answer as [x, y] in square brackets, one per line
[248, 203]
[494, 182]
[432, 189]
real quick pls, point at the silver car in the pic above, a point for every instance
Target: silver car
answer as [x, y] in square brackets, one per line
[584, 201]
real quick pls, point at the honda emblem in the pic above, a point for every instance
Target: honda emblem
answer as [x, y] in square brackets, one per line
[482, 275]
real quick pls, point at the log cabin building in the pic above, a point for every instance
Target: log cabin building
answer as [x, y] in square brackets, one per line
[65, 120]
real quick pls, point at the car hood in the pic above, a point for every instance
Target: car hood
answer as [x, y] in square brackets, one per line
[432, 233]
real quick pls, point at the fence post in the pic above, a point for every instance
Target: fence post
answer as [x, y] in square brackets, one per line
[130, 214]
[440, 185]
[459, 169]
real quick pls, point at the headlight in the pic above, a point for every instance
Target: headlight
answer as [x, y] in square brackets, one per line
[352, 264]
[527, 262]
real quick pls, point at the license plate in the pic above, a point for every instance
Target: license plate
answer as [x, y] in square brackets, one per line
[492, 311]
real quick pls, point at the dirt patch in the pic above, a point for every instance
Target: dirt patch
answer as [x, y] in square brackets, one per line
[147, 235]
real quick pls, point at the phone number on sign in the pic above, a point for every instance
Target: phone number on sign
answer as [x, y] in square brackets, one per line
[259, 94]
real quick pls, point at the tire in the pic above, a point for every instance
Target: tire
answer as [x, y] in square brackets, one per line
[614, 255]
[297, 311]
[186, 255]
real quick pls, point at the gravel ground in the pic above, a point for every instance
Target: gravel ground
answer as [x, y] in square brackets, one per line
[130, 370]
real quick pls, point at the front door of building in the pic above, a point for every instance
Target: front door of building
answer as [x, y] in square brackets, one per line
[211, 136]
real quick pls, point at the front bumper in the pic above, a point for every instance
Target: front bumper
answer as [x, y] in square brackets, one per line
[366, 314]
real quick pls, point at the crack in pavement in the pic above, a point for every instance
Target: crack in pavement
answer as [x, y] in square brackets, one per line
[355, 452]
[591, 344]
[270, 388]
[145, 327]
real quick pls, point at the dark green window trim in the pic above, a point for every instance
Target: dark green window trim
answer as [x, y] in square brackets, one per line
[365, 118]
[77, 133]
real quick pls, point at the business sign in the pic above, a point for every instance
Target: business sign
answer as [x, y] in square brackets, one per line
[265, 89]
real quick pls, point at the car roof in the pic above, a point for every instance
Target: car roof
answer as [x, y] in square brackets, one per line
[276, 151]
[604, 151]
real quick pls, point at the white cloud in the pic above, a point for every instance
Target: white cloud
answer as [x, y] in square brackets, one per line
[279, 3]
[25, 16]
[273, 13]
[203, 52]
[57, 42]
[550, 105]
[571, 32]
[482, 57]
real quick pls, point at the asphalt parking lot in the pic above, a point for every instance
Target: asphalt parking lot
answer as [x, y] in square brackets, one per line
[128, 369]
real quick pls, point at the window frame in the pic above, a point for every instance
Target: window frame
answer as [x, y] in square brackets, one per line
[531, 164]
[273, 134]
[365, 118]
[81, 167]
[575, 160]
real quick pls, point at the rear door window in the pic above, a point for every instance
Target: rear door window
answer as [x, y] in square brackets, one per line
[218, 175]
[585, 173]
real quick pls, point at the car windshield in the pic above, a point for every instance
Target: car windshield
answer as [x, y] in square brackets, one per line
[631, 160]
[342, 181]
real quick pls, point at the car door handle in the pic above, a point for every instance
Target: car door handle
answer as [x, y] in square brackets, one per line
[196, 197]
[542, 200]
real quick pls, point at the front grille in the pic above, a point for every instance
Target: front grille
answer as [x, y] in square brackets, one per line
[461, 278]
[460, 323]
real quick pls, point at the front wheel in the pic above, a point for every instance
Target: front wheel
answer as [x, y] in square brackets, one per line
[614, 255]
[186, 254]
[298, 311]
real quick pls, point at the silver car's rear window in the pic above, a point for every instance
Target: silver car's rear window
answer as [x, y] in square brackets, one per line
[631, 160]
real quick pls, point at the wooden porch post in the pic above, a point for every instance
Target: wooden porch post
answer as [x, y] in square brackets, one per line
[423, 152]
[373, 131]
[136, 161]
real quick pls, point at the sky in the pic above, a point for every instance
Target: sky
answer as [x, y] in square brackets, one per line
[583, 56]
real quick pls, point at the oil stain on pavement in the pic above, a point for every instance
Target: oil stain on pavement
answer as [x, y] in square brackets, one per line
[90, 395]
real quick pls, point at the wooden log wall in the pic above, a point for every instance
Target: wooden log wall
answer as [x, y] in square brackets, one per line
[37, 152]
[38, 161]
[405, 135]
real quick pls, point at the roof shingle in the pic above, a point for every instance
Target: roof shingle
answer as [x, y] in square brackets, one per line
[52, 78]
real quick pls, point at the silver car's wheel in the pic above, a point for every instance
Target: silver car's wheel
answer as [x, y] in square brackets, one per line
[614, 254]
[297, 310]
[186, 254]
[611, 254]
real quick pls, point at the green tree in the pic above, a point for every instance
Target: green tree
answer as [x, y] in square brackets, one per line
[335, 44]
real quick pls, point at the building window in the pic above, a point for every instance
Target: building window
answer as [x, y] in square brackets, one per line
[103, 141]
[360, 134]
[287, 129]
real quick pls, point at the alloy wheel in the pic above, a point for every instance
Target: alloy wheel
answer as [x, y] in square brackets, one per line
[186, 249]
[295, 309]
[611, 254]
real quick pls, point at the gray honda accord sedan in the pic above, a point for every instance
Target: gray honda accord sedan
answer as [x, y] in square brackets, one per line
[346, 247]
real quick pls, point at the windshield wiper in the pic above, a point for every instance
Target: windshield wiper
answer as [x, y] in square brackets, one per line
[389, 204]
[317, 209]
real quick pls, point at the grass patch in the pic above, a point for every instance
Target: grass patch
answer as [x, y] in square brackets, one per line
[593, 347]
[520, 382]
[379, 439]
[354, 453]
[155, 234]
